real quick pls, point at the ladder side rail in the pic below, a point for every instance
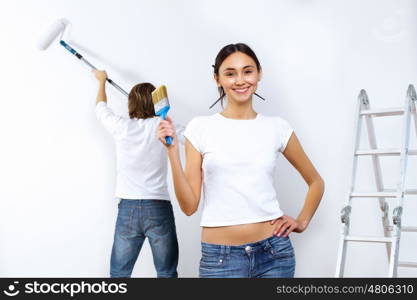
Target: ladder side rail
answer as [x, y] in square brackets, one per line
[393, 266]
[341, 256]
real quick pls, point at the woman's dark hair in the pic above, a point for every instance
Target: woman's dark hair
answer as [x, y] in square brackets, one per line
[224, 53]
[140, 103]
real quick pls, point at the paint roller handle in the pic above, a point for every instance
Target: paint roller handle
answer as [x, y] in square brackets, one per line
[80, 57]
[109, 80]
[117, 87]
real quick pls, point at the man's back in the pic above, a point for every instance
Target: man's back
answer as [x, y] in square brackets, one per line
[141, 158]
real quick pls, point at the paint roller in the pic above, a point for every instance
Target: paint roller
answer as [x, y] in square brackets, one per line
[57, 29]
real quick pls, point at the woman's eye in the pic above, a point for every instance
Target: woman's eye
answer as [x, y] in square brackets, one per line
[229, 74]
[248, 72]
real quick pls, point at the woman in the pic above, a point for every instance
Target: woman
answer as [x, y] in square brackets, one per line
[233, 155]
[145, 210]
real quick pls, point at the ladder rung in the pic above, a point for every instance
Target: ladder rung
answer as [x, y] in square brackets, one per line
[407, 192]
[407, 264]
[384, 152]
[368, 239]
[411, 192]
[374, 195]
[378, 152]
[383, 112]
[409, 229]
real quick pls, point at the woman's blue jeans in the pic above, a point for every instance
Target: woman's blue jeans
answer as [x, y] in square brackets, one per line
[140, 219]
[269, 258]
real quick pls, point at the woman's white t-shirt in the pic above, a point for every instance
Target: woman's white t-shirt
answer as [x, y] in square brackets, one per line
[239, 161]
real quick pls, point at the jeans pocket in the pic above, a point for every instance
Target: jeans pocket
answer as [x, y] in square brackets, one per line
[281, 248]
[211, 259]
[160, 220]
[124, 221]
[160, 226]
[158, 212]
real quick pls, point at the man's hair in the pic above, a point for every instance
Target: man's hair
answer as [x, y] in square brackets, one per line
[140, 103]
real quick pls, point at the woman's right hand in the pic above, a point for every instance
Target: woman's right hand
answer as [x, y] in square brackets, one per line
[167, 128]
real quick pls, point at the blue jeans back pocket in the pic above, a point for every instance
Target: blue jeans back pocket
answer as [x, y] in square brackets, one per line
[124, 220]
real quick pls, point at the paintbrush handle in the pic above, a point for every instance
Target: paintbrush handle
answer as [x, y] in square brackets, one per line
[168, 139]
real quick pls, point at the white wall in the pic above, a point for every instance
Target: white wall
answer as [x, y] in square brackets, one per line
[57, 168]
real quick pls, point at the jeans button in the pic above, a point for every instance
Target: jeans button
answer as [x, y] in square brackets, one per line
[248, 248]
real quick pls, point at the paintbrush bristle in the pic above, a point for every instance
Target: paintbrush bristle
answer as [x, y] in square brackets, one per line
[159, 94]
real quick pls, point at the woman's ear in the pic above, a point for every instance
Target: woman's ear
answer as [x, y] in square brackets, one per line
[260, 75]
[216, 79]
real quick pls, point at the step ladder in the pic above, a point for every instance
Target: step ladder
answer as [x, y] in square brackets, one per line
[392, 233]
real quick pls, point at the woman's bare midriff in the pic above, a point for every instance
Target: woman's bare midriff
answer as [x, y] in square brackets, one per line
[237, 234]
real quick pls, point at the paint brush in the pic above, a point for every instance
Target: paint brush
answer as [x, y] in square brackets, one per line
[161, 105]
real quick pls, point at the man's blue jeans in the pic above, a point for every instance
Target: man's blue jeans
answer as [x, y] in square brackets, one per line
[140, 219]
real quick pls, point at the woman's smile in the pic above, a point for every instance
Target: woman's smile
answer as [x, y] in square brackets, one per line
[241, 90]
